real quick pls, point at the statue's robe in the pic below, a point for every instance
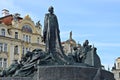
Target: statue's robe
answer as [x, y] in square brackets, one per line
[51, 35]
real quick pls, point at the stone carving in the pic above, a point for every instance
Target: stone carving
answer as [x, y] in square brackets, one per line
[38, 24]
[29, 63]
[15, 17]
[86, 54]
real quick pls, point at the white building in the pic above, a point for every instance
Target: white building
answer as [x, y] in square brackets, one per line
[116, 69]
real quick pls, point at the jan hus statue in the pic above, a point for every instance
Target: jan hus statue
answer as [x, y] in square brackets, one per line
[51, 36]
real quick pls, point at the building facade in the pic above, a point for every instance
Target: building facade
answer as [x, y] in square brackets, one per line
[68, 45]
[17, 36]
[116, 69]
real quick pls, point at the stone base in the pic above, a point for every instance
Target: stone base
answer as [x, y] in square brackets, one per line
[16, 78]
[69, 72]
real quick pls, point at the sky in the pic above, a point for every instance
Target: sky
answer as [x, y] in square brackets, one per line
[95, 20]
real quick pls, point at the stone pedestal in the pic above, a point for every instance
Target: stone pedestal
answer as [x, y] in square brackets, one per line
[69, 72]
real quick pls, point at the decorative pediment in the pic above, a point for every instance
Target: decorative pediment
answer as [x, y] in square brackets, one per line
[27, 17]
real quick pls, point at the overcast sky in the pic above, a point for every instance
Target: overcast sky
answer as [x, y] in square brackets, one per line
[95, 20]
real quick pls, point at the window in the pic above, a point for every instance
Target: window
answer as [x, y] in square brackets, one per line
[16, 35]
[16, 50]
[27, 49]
[23, 37]
[1, 47]
[5, 47]
[0, 62]
[26, 38]
[118, 65]
[3, 32]
[119, 74]
[29, 38]
[23, 50]
[5, 63]
[38, 40]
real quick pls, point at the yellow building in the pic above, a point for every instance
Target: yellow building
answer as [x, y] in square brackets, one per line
[17, 36]
[116, 69]
[69, 44]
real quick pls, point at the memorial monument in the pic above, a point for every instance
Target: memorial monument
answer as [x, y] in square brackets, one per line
[53, 64]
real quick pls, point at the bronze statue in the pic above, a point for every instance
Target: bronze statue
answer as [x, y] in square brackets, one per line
[10, 70]
[51, 31]
[51, 36]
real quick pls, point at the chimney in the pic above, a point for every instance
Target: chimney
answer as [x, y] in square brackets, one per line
[17, 14]
[5, 12]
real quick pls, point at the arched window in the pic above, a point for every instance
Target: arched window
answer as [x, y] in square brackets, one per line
[16, 49]
[16, 35]
[3, 32]
[27, 28]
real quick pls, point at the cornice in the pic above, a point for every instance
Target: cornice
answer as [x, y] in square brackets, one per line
[19, 40]
[24, 32]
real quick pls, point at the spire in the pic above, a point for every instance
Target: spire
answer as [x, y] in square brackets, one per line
[108, 68]
[70, 35]
[114, 65]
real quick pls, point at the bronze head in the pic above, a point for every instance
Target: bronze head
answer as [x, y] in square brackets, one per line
[51, 9]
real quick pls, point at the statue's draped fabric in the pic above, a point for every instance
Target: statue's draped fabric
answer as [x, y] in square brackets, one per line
[51, 32]
[51, 36]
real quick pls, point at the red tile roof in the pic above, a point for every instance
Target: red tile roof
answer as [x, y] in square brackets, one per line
[7, 20]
